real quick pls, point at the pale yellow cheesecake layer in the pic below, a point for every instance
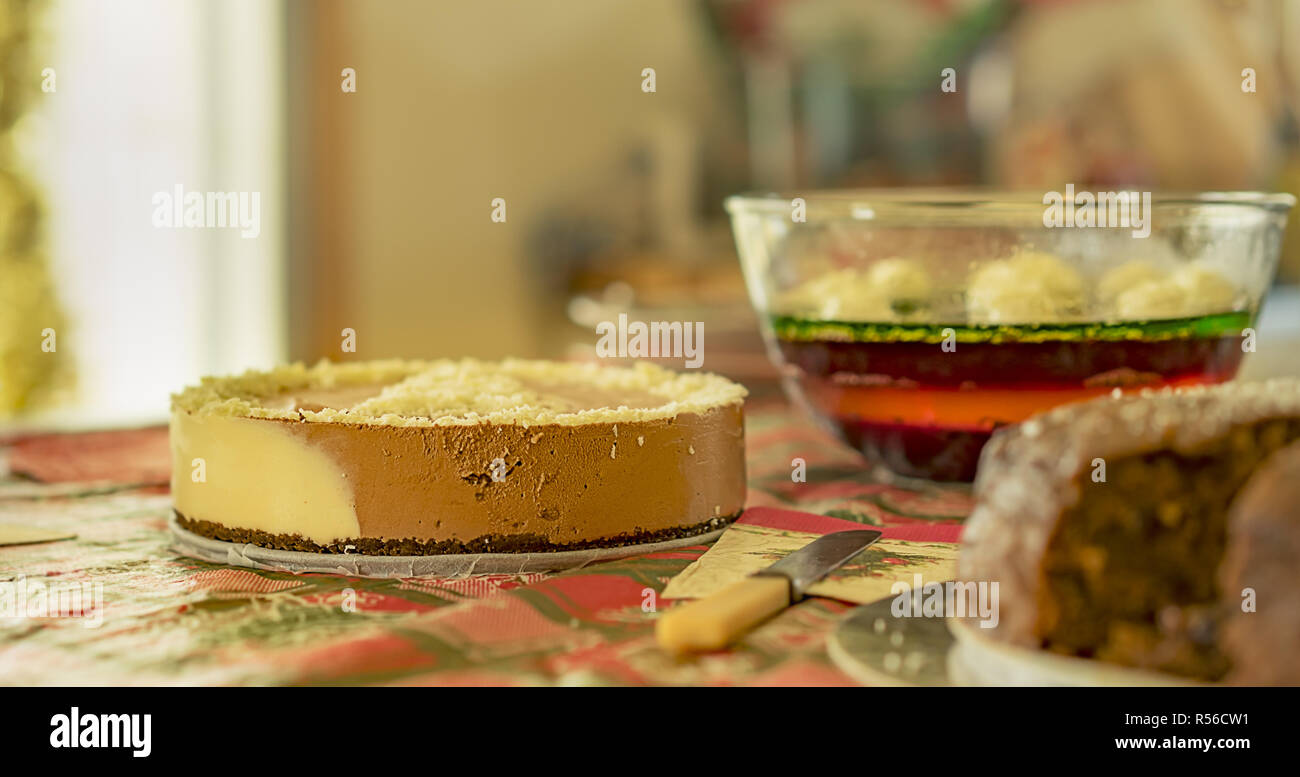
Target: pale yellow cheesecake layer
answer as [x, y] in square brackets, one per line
[258, 475]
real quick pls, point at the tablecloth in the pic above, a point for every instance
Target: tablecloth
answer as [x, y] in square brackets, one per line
[166, 619]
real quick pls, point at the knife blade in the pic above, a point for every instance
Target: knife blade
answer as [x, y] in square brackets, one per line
[819, 558]
[717, 620]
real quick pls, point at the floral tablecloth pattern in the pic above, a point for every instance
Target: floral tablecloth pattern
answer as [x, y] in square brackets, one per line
[166, 619]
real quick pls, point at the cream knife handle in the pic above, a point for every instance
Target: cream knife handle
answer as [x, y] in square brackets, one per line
[716, 621]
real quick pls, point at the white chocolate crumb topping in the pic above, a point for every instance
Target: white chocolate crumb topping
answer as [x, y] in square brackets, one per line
[462, 392]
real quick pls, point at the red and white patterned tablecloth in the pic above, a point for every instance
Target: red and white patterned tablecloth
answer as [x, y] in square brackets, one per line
[167, 619]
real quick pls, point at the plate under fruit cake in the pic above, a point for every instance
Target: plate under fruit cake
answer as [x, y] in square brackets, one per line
[440, 457]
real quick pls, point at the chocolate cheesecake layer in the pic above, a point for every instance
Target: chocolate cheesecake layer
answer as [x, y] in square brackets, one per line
[437, 457]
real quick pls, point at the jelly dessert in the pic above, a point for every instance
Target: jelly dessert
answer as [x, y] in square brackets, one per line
[919, 382]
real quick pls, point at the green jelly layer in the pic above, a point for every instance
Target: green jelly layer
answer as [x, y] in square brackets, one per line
[1210, 326]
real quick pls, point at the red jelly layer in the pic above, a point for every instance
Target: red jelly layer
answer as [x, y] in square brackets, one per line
[926, 412]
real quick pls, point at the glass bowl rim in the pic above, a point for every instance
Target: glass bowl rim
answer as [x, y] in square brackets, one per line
[862, 202]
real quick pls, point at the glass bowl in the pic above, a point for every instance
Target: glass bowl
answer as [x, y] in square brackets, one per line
[915, 323]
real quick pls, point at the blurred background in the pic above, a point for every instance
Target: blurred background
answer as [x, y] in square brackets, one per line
[376, 189]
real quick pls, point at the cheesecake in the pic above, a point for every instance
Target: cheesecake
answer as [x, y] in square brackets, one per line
[457, 456]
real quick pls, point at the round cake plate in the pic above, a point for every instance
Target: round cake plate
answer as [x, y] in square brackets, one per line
[978, 659]
[241, 554]
[874, 647]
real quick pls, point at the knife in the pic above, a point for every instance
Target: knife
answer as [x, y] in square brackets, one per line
[717, 620]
